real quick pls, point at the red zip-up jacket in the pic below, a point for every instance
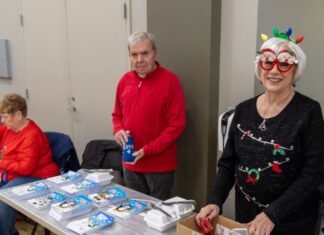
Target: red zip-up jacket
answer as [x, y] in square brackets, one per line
[153, 110]
[26, 152]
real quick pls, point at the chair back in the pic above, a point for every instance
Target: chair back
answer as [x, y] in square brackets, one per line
[63, 151]
[104, 154]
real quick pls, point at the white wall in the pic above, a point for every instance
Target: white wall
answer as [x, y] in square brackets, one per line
[238, 43]
[305, 18]
[10, 29]
[138, 15]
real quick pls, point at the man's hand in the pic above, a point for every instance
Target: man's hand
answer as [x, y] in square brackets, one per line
[210, 211]
[261, 225]
[121, 137]
[138, 155]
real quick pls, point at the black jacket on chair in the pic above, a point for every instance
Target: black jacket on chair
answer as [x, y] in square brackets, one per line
[103, 154]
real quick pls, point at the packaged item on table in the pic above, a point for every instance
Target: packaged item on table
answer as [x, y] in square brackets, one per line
[85, 186]
[91, 224]
[30, 190]
[128, 208]
[71, 207]
[108, 196]
[68, 177]
[46, 200]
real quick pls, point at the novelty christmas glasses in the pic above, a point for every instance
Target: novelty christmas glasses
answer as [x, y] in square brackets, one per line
[267, 59]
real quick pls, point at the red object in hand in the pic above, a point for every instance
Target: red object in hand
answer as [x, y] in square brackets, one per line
[205, 226]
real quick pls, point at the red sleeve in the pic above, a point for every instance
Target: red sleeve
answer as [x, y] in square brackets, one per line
[2, 128]
[25, 161]
[117, 115]
[176, 122]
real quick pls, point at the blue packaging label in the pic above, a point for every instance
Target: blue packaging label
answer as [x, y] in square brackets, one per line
[128, 150]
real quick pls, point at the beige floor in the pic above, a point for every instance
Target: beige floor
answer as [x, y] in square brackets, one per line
[26, 229]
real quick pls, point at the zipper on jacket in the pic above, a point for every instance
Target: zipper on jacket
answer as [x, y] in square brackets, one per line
[140, 84]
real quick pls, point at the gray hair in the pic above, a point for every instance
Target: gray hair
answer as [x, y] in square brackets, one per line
[141, 36]
[276, 44]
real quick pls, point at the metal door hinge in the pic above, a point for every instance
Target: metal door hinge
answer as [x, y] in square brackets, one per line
[125, 11]
[21, 17]
[27, 94]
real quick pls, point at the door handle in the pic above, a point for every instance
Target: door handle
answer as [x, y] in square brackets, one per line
[73, 109]
[71, 101]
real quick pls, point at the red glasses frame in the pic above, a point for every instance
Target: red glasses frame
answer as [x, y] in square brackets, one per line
[283, 65]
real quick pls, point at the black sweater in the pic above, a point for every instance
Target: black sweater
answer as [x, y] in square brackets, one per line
[276, 170]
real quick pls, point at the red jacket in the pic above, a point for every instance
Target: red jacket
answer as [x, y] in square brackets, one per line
[153, 110]
[26, 152]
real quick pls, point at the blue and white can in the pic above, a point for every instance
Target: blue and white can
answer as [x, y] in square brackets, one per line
[128, 150]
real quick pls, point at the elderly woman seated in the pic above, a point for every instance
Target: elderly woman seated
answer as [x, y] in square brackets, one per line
[25, 155]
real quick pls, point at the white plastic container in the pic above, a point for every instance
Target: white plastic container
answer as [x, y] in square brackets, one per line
[103, 178]
[161, 222]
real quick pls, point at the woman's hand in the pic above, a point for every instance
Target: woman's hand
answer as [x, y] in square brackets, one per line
[261, 225]
[210, 211]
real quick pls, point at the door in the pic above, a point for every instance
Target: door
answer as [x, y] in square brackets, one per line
[97, 36]
[47, 76]
[75, 54]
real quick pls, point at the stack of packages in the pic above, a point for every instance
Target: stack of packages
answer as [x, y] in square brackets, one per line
[66, 178]
[71, 207]
[81, 187]
[30, 190]
[91, 223]
[128, 208]
[45, 201]
[108, 196]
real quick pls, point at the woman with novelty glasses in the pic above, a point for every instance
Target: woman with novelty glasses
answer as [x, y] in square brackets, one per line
[275, 149]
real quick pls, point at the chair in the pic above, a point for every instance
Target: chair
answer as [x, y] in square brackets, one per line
[63, 151]
[64, 155]
[104, 154]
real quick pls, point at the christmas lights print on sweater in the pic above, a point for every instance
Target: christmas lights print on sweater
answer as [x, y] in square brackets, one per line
[253, 175]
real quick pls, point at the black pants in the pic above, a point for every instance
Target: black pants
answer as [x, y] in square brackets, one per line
[157, 185]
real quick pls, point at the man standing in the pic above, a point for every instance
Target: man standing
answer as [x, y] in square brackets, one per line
[150, 107]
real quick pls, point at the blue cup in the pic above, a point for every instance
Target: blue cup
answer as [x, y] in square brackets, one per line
[128, 150]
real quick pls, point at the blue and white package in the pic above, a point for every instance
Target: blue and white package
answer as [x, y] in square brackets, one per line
[71, 207]
[91, 224]
[46, 200]
[128, 208]
[85, 186]
[68, 177]
[108, 196]
[30, 190]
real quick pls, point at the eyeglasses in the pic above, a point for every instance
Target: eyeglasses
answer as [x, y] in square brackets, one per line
[267, 59]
